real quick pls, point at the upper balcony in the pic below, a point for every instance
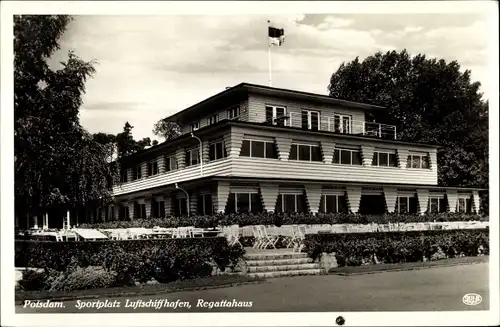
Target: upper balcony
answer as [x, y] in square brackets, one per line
[337, 124]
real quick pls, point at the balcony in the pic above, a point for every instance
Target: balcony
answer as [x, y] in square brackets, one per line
[337, 124]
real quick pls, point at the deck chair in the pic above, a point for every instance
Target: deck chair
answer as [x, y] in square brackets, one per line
[270, 238]
[235, 235]
[258, 238]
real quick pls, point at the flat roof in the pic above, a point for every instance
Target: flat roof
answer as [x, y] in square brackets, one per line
[244, 89]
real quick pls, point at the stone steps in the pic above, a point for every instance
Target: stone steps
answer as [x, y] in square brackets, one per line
[278, 262]
[275, 264]
[302, 266]
[273, 274]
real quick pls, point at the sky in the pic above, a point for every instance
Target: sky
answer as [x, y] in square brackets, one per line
[150, 67]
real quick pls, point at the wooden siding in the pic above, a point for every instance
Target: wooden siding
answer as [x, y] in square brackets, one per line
[257, 109]
[353, 198]
[274, 168]
[221, 196]
[423, 200]
[391, 196]
[327, 150]
[216, 168]
[186, 128]
[269, 195]
[313, 196]
[451, 196]
[476, 200]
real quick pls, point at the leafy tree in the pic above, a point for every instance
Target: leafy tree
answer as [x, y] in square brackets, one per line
[126, 144]
[58, 165]
[166, 129]
[428, 100]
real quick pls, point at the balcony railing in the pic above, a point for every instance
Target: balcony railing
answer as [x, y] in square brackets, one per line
[338, 124]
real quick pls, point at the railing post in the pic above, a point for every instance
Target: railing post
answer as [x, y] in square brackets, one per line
[380, 130]
[328, 122]
[364, 127]
[395, 132]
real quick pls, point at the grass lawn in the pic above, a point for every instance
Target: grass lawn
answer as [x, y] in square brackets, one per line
[145, 289]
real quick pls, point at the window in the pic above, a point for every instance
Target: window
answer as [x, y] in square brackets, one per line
[244, 202]
[181, 207]
[213, 119]
[217, 151]
[170, 163]
[342, 124]
[310, 120]
[157, 208]
[333, 203]
[124, 212]
[291, 203]
[384, 159]
[152, 168]
[124, 176]
[407, 204]
[233, 112]
[192, 157]
[195, 126]
[139, 210]
[417, 161]
[204, 204]
[276, 115]
[305, 152]
[259, 149]
[137, 173]
[464, 204]
[437, 204]
[347, 157]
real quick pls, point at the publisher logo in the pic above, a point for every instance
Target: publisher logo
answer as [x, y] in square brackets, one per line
[472, 299]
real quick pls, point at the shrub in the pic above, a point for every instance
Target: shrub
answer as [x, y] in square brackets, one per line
[83, 278]
[394, 247]
[33, 280]
[280, 219]
[133, 260]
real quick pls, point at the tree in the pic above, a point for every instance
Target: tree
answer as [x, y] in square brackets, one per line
[428, 100]
[58, 165]
[166, 129]
[127, 145]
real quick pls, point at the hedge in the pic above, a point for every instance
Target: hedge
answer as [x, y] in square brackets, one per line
[281, 219]
[395, 247]
[133, 261]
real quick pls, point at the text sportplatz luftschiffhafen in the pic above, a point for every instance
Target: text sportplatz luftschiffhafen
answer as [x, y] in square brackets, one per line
[156, 304]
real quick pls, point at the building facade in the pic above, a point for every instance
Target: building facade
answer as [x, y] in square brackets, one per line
[252, 148]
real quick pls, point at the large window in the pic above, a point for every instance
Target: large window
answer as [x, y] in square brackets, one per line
[342, 124]
[291, 202]
[407, 204]
[204, 204]
[276, 115]
[305, 152]
[244, 202]
[464, 204]
[417, 161]
[213, 119]
[310, 120]
[139, 210]
[137, 172]
[259, 149]
[157, 208]
[384, 159]
[192, 157]
[333, 203]
[437, 204]
[124, 176]
[124, 212]
[170, 163]
[373, 203]
[152, 168]
[347, 157]
[234, 112]
[180, 207]
[216, 151]
[195, 126]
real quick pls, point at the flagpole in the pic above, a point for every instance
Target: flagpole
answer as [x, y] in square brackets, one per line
[269, 55]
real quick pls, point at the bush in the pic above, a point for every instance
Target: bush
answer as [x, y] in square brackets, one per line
[395, 247]
[33, 280]
[280, 219]
[83, 278]
[133, 260]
